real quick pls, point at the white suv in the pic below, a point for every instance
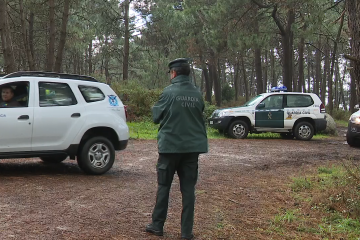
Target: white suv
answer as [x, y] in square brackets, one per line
[292, 114]
[62, 115]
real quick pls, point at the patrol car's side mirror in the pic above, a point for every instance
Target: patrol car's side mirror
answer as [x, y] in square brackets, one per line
[261, 105]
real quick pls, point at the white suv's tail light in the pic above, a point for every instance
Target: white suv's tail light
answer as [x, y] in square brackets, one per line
[126, 112]
[322, 108]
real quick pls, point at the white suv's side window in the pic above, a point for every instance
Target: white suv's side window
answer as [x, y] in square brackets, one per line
[273, 102]
[55, 94]
[91, 94]
[14, 95]
[299, 100]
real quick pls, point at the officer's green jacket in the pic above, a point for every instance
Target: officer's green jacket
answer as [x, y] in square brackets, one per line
[180, 114]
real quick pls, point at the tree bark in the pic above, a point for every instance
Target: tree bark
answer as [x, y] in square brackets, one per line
[287, 43]
[243, 70]
[215, 78]
[273, 70]
[29, 56]
[353, 9]
[330, 80]
[300, 84]
[31, 35]
[208, 85]
[237, 79]
[258, 70]
[126, 42]
[60, 50]
[318, 69]
[325, 73]
[51, 47]
[6, 41]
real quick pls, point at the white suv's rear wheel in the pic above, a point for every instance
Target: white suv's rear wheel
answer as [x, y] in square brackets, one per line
[304, 131]
[96, 156]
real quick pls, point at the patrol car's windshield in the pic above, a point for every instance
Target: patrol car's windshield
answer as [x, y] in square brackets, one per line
[253, 100]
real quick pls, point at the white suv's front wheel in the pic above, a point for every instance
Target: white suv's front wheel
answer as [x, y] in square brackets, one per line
[96, 156]
[238, 129]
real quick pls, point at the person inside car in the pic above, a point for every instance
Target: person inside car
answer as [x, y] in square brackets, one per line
[7, 96]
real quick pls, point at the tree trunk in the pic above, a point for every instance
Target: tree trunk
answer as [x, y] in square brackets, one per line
[90, 52]
[106, 62]
[353, 96]
[31, 35]
[300, 84]
[29, 56]
[353, 8]
[51, 47]
[330, 80]
[6, 42]
[215, 78]
[258, 70]
[237, 79]
[326, 72]
[65, 17]
[126, 42]
[318, 69]
[265, 69]
[243, 70]
[273, 70]
[287, 43]
[208, 86]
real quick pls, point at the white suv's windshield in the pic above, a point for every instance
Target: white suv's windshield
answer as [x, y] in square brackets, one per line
[253, 100]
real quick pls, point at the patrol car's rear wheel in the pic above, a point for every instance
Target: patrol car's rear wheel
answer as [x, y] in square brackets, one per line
[238, 129]
[54, 159]
[304, 131]
[96, 156]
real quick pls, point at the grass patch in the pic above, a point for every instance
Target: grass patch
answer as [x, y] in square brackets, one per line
[329, 205]
[148, 130]
[341, 123]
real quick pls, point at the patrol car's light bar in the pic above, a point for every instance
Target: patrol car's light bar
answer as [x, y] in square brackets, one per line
[52, 75]
[279, 89]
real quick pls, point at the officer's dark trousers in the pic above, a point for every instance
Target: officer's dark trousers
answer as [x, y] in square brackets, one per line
[186, 166]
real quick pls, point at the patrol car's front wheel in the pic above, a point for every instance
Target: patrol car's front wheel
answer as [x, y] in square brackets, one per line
[238, 129]
[304, 131]
[96, 156]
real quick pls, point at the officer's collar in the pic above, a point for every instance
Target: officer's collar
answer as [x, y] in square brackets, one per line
[180, 78]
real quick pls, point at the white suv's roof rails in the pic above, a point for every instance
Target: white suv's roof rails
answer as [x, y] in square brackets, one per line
[51, 75]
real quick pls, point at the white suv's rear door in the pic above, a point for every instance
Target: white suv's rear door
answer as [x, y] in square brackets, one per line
[58, 116]
[16, 122]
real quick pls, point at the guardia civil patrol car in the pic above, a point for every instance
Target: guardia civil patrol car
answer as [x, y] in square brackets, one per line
[62, 115]
[353, 132]
[292, 114]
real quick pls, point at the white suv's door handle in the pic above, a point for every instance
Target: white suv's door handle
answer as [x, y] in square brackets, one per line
[74, 115]
[23, 117]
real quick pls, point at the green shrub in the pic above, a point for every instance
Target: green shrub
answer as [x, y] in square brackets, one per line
[209, 109]
[339, 114]
[227, 93]
[138, 99]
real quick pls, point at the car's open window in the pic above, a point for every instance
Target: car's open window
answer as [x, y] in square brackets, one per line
[55, 94]
[14, 94]
[91, 94]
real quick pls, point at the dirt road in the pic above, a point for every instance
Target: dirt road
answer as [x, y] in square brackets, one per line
[241, 185]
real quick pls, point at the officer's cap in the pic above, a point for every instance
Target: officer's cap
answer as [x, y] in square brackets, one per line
[179, 62]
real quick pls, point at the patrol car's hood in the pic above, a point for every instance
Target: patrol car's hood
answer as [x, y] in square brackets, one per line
[229, 111]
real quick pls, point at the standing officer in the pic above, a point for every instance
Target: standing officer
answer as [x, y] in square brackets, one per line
[181, 138]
